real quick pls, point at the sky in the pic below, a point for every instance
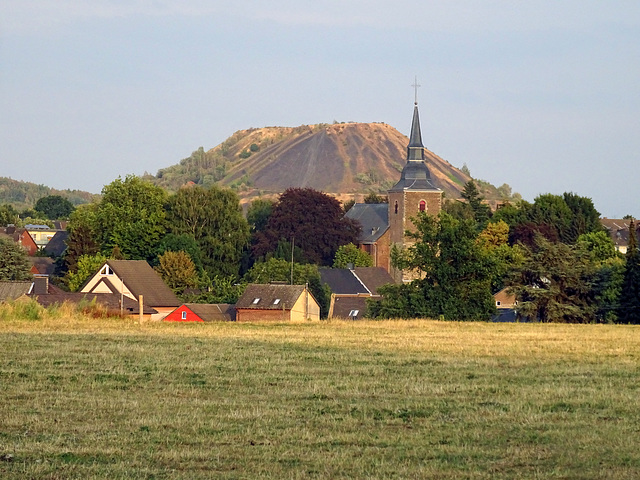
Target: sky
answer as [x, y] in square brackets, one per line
[541, 95]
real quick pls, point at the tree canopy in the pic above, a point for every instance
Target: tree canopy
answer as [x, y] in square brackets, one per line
[54, 207]
[14, 261]
[314, 220]
[629, 309]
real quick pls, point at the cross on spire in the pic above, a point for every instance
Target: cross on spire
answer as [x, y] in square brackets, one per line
[415, 86]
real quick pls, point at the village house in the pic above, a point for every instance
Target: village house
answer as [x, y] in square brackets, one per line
[203, 312]
[618, 230]
[136, 280]
[277, 303]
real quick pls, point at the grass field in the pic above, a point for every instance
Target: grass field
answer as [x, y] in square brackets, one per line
[110, 398]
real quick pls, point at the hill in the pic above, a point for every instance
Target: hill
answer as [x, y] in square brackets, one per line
[24, 195]
[345, 159]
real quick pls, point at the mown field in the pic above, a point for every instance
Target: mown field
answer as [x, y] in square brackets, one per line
[110, 398]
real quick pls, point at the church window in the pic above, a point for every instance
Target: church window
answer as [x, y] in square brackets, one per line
[396, 208]
[423, 205]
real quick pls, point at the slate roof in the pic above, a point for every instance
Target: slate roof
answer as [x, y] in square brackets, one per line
[57, 245]
[374, 218]
[12, 290]
[343, 306]
[267, 294]
[373, 277]
[415, 174]
[619, 230]
[213, 312]
[360, 280]
[141, 279]
[43, 265]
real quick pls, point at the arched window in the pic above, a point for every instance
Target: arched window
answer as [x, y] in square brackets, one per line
[396, 208]
[423, 205]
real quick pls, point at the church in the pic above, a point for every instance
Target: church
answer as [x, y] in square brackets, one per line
[384, 225]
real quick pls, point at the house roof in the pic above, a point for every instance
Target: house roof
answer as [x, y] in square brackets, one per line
[13, 290]
[344, 307]
[619, 230]
[360, 280]
[141, 279]
[373, 277]
[43, 265]
[270, 296]
[111, 301]
[374, 218]
[342, 281]
[213, 312]
[57, 245]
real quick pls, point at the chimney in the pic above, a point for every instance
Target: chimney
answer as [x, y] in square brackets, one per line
[41, 285]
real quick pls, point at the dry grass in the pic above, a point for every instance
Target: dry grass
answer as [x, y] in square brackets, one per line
[110, 398]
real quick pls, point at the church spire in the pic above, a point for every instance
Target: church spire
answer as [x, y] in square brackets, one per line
[415, 150]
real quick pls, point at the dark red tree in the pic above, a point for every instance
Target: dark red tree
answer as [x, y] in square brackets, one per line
[313, 220]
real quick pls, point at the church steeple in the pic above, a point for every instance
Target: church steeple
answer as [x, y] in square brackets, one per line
[415, 150]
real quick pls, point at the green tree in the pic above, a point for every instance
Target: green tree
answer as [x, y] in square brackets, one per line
[54, 207]
[350, 254]
[8, 215]
[214, 218]
[14, 261]
[629, 309]
[454, 274]
[178, 271]
[481, 211]
[313, 219]
[373, 197]
[131, 215]
[555, 283]
[82, 239]
[258, 214]
[87, 266]
[185, 243]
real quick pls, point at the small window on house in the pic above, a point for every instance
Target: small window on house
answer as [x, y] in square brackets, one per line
[106, 270]
[423, 205]
[354, 313]
[255, 301]
[498, 303]
[184, 315]
[396, 208]
[276, 301]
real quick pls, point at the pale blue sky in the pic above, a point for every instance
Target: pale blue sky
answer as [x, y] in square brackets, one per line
[542, 95]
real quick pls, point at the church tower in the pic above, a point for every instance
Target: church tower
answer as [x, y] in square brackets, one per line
[414, 193]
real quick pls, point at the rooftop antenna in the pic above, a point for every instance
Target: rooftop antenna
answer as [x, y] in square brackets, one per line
[415, 87]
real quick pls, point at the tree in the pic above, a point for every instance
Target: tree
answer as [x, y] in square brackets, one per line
[481, 211]
[8, 215]
[629, 309]
[280, 270]
[350, 254]
[82, 236]
[185, 243]
[375, 198]
[131, 215]
[214, 218]
[585, 218]
[454, 274]
[313, 219]
[87, 266]
[14, 261]
[178, 271]
[54, 207]
[555, 283]
[258, 214]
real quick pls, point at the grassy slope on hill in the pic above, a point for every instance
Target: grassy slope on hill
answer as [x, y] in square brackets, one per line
[114, 399]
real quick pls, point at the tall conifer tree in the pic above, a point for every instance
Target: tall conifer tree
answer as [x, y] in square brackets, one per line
[629, 309]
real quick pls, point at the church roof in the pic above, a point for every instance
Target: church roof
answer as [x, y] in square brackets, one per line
[415, 174]
[374, 218]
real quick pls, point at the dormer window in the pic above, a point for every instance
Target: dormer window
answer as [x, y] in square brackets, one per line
[256, 301]
[276, 301]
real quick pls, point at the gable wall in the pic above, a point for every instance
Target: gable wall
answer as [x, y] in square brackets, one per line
[176, 315]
